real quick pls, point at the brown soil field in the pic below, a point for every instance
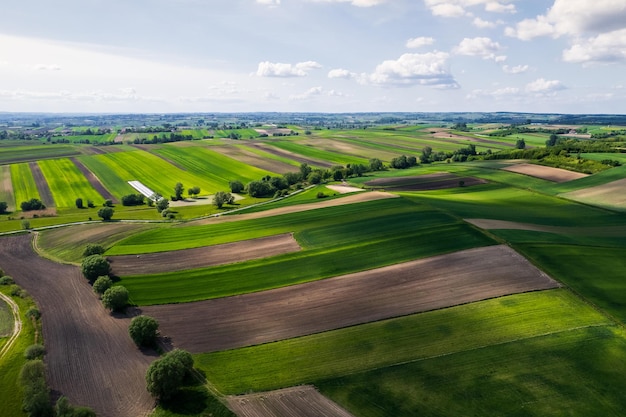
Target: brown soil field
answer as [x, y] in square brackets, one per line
[202, 257]
[545, 173]
[90, 357]
[363, 297]
[462, 140]
[301, 401]
[6, 187]
[344, 189]
[253, 159]
[94, 150]
[94, 181]
[426, 182]
[351, 199]
[610, 194]
[293, 156]
[42, 185]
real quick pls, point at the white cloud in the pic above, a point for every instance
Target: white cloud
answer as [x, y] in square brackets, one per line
[606, 47]
[447, 10]
[307, 95]
[500, 93]
[543, 86]
[358, 3]
[496, 7]
[484, 24]
[47, 67]
[457, 8]
[414, 69]
[419, 42]
[272, 3]
[518, 69]
[482, 47]
[341, 73]
[278, 69]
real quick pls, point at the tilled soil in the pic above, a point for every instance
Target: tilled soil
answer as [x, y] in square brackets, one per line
[94, 181]
[396, 290]
[545, 173]
[436, 181]
[253, 159]
[42, 185]
[153, 263]
[291, 155]
[90, 357]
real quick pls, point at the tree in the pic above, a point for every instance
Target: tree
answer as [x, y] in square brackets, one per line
[193, 191]
[292, 177]
[305, 170]
[106, 213]
[143, 330]
[95, 266]
[79, 203]
[162, 204]
[359, 169]
[259, 188]
[166, 376]
[179, 189]
[220, 198]
[3, 207]
[25, 224]
[109, 202]
[376, 164]
[93, 249]
[236, 186]
[132, 200]
[314, 178]
[32, 204]
[63, 408]
[520, 144]
[426, 156]
[115, 298]
[101, 284]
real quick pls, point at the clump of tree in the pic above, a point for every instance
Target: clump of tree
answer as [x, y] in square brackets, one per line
[193, 191]
[101, 284]
[3, 207]
[166, 376]
[93, 249]
[79, 203]
[236, 186]
[179, 189]
[94, 266]
[144, 331]
[106, 213]
[34, 352]
[63, 408]
[403, 162]
[36, 401]
[162, 204]
[133, 200]
[32, 204]
[220, 198]
[115, 298]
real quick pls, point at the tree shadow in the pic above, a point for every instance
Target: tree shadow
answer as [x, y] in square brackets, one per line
[187, 401]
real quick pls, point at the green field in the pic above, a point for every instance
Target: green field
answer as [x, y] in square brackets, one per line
[67, 183]
[6, 320]
[24, 187]
[25, 153]
[381, 344]
[310, 151]
[6, 193]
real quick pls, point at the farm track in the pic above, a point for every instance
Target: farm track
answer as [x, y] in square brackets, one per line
[363, 297]
[153, 263]
[90, 357]
[17, 326]
[291, 155]
[94, 181]
[301, 401]
[42, 185]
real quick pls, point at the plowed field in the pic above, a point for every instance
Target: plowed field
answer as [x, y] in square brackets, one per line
[545, 173]
[42, 185]
[363, 297]
[436, 181]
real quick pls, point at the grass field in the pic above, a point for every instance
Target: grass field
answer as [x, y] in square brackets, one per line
[396, 341]
[6, 320]
[67, 183]
[310, 151]
[6, 187]
[24, 187]
[25, 153]
[111, 180]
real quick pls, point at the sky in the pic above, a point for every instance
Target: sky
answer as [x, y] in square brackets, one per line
[169, 56]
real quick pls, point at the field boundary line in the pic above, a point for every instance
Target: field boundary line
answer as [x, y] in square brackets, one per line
[17, 324]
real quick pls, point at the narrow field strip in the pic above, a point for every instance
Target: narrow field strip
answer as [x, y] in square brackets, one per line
[610, 194]
[24, 187]
[42, 185]
[6, 187]
[362, 297]
[67, 183]
[94, 181]
[545, 173]
[17, 324]
[395, 341]
[490, 224]
[202, 257]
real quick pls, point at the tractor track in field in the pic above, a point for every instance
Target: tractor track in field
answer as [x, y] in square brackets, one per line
[17, 326]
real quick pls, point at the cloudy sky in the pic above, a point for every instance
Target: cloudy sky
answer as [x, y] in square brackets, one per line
[566, 56]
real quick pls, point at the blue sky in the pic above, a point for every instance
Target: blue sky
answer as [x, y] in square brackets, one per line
[564, 56]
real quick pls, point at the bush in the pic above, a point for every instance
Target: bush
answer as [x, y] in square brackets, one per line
[106, 213]
[109, 203]
[34, 352]
[6, 280]
[3, 207]
[236, 186]
[132, 200]
[15, 291]
[143, 330]
[101, 284]
[95, 266]
[162, 204]
[79, 203]
[33, 313]
[25, 224]
[115, 298]
[321, 195]
[32, 204]
[93, 249]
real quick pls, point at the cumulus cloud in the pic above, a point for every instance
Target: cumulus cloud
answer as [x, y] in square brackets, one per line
[269, 2]
[482, 47]
[413, 69]
[500, 93]
[358, 3]
[341, 73]
[457, 8]
[47, 67]
[543, 86]
[310, 93]
[606, 47]
[518, 69]
[484, 24]
[418, 42]
[278, 69]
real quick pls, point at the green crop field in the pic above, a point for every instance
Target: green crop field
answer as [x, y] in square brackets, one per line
[6, 187]
[67, 183]
[25, 153]
[24, 187]
[311, 151]
[6, 320]
[109, 178]
[381, 344]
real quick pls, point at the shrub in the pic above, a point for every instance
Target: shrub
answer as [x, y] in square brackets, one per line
[106, 213]
[79, 203]
[132, 200]
[15, 291]
[6, 280]
[34, 352]
[143, 330]
[236, 186]
[32, 204]
[109, 203]
[63, 408]
[95, 266]
[33, 313]
[162, 204]
[25, 224]
[93, 249]
[90, 204]
[115, 298]
[101, 284]
[3, 207]
[321, 195]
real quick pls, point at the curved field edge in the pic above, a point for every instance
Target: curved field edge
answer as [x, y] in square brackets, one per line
[576, 372]
[299, 267]
[415, 337]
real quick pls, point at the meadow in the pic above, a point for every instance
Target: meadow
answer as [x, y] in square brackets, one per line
[67, 183]
[24, 187]
[6, 187]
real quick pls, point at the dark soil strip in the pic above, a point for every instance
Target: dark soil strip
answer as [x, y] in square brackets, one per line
[291, 155]
[94, 181]
[90, 357]
[42, 185]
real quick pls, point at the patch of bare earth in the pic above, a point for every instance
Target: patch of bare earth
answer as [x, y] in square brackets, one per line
[290, 155]
[436, 181]
[94, 181]
[545, 173]
[202, 257]
[42, 185]
[460, 139]
[351, 199]
[609, 194]
[363, 297]
[301, 401]
[344, 189]
[90, 357]
[253, 159]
